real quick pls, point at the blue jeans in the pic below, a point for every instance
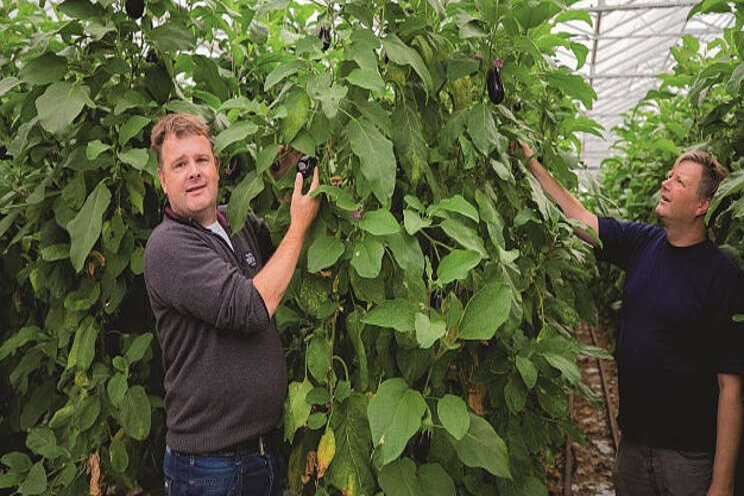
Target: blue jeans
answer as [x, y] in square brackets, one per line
[241, 474]
[641, 470]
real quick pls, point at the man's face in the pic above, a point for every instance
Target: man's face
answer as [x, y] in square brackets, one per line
[189, 177]
[679, 199]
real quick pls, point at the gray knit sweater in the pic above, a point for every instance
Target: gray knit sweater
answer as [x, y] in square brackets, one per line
[225, 373]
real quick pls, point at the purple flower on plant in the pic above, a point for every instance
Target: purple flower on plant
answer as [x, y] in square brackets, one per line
[498, 63]
[228, 58]
[357, 214]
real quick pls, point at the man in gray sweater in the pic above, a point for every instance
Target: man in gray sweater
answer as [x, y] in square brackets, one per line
[214, 293]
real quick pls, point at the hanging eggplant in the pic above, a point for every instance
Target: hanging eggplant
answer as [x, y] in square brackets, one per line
[305, 165]
[233, 168]
[152, 56]
[493, 82]
[134, 8]
[325, 36]
[517, 106]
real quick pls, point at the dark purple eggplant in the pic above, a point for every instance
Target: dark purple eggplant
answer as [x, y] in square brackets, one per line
[152, 56]
[493, 83]
[517, 106]
[325, 36]
[134, 8]
[305, 165]
[233, 168]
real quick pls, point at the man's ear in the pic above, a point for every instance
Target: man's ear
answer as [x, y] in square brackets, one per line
[162, 181]
[703, 206]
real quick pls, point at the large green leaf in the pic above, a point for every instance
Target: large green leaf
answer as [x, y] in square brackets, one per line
[435, 481]
[574, 86]
[567, 367]
[43, 441]
[367, 258]
[318, 359]
[45, 69]
[35, 481]
[466, 236]
[84, 346]
[134, 413]
[379, 222]
[323, 252]
[322, 88]
[482, 128]
[399, 479]
[240, 200]
[297, 104]
[282, 71]
[407, 252]
[394, 417]
[236, 132]
[81, 9]
[453, 413]
[528, 371]
[402, 54]
[85, 227]
[376, 156]
[392, 313]
[119, 456]
[350, 470]
[457, 265]
[486, 311]
[482, 447]
[296, 408]
[172, 37]
[130, 128]
[459, 205]
[60, 104]
[410, 145]
[427, 331]
[8, 83]
[368, 79]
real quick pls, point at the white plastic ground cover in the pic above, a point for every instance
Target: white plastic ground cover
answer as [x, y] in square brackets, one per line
[629, 44]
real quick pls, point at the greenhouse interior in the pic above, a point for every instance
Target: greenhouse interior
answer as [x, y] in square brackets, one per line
[371, 247]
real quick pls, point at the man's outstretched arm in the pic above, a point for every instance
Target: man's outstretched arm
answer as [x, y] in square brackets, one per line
[565, 200]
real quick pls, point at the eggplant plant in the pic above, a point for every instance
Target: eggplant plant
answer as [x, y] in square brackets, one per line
[428, 328]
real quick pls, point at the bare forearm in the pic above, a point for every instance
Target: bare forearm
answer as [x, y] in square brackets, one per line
[273, 279]
[570, 205]
[727, 438]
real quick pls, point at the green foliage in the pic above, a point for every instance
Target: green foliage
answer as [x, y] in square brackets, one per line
[427, 327]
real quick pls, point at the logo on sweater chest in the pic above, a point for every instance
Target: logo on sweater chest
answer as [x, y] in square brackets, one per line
[250, 259]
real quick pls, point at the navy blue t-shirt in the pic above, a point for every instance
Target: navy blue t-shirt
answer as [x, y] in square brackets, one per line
[677, 334]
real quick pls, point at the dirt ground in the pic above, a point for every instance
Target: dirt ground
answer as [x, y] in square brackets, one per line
[593, 460]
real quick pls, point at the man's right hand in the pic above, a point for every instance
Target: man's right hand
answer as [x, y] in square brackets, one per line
[304, 208]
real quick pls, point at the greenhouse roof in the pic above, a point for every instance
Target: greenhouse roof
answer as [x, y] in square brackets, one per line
[629, 44]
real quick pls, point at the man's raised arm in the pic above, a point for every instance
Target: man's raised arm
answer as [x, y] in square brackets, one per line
[272, 280]
[565, 200]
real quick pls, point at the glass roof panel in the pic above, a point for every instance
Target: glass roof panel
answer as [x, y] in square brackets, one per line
[629, 44]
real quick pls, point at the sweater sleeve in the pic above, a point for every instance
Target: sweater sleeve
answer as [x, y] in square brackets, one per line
[183, 272]
[263, 236]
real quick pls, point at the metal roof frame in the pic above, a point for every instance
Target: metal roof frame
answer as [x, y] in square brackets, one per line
[629, 45]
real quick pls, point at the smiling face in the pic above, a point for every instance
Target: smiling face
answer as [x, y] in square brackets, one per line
[189, 177]
[680, 200]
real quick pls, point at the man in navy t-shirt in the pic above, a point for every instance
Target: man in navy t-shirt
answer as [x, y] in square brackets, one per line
[679, 352]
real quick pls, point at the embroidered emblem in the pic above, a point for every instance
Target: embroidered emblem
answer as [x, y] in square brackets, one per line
[250, 259]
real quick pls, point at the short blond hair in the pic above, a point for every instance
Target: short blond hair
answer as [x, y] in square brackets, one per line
[180, 125]
[713, 171]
